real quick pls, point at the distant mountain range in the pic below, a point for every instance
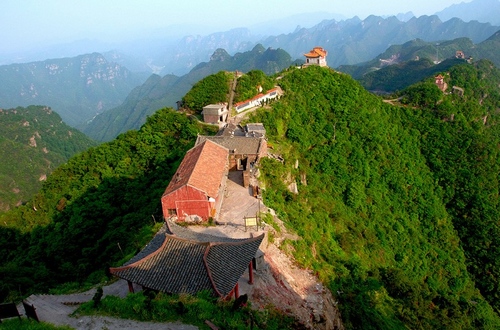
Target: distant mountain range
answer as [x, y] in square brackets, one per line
[486, 11]
[158, 92]
[33, 142]
[348, 41]
[403, 65]
[77, 88]
[86, 86]
[355, 41]
[167, 51]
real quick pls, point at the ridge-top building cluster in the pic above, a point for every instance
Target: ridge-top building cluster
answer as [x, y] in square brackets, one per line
[178, 260]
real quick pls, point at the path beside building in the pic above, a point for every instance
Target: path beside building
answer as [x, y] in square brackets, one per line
[57, 309]
[277, 280]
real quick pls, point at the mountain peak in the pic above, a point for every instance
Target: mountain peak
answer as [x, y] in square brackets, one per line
[220, 55]
[485, 11]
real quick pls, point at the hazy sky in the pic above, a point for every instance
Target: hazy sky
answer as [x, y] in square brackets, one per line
[29, 23]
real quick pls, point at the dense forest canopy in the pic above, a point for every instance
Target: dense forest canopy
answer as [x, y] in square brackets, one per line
[96, 209]
[397, 205]
[34, 141]
[375, 207]
[460, 139]
[210, 90]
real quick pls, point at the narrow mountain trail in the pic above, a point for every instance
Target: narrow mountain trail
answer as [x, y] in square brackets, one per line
[58, 310]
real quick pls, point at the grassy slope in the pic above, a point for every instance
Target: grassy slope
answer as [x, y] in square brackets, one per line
[33, 142]
[372, 217]
[370, 213]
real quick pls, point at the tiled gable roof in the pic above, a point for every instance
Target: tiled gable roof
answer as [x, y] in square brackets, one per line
[231, 129]
[180, 265]
[242, 144]
[176, 267]
[202, 167]
[223, 270]
[152, 246]
[316, 52]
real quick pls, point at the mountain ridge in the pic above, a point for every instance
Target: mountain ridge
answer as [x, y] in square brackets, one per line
[486, 11]
[403, 65]
[77, 88]
[388, 209]
[158, 92]
[33, 142]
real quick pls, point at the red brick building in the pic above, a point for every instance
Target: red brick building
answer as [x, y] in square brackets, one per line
[195, 188]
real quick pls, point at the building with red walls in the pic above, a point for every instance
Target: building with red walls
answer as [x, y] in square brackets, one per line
[196, 187]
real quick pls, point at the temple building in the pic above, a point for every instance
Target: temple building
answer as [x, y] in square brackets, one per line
[178, 260]
[440, 83]
[317, 56]
[194, 193]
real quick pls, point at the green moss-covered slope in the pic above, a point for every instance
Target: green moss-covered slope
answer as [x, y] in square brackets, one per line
[34, 141]
[373, 216]
[95, 210]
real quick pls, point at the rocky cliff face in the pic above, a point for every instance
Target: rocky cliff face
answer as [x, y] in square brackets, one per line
[77, 88]
[295, 291]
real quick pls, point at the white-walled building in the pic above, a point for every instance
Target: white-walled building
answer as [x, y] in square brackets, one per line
[258, 100]
[215, 113]
[317, 56]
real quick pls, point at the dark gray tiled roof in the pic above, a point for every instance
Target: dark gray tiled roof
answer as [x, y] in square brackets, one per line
[224, 271]
[177, 267]
[231, 129]
[152, 246]
[173, 264]
[242, 144]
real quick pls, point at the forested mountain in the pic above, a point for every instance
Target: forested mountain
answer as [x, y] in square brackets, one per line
[33, 142]
[397, 205]
[489, 48]
[467, 165]
[399, 76]
[159, 92]
[403, 65]
[348, 41]
[355, 41]
[216, 88]
[100, 198]
[77, 88]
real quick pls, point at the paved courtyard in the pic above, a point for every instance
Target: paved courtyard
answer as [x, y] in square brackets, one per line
[238, 202]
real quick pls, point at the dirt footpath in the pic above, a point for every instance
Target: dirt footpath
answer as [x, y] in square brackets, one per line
[56, 309]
